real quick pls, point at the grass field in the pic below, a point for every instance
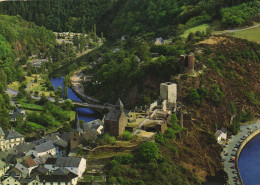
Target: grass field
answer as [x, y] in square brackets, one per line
[250, 34]
[201, 28]
[35, 125]
[29, 106]
[40, 87]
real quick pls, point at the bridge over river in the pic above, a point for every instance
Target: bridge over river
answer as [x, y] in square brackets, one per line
[97, 107]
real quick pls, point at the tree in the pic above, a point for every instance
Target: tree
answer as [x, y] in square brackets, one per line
[126, 135]
[194, 97]
[59, 92]
[148, 151]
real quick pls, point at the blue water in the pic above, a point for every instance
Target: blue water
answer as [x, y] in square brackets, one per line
[85, 114]
[249, 162]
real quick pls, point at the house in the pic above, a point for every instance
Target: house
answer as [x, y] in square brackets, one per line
[16, 179]
[12, 178]
[26, 167]
[10, 139]
[60, 176]
[76, 165]
[17, 112]
[159, 41]
[93, 129]
[221, 134]
[115, 121]
[3, 168]
[24, 147]
[61, 147]
[43, 149]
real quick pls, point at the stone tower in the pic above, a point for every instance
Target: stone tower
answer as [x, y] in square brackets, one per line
[75, 134]
[119, 105]
[187, 63]
[168, 93]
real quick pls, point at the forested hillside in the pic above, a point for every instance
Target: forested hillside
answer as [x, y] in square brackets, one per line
[127, 17]
[18, 39]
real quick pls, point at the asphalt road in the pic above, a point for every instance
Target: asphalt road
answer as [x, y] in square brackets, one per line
[229, 150]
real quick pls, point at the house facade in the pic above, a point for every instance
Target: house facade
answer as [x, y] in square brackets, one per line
[10, 139]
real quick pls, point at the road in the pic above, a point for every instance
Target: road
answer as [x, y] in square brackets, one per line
[229, 151]
[236, 30]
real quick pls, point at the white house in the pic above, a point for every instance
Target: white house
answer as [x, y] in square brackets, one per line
[221, 134]
[43, 149]
[76, 165]
[3, 168]
[10, 139]
[59, 177]
[16, 179]
[12, 178]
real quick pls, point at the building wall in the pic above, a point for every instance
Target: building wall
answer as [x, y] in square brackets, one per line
[11, 143]
[122, 123]
[111, 127]
[75, 139]
[168, 91]
[51, 152]
[10, 181]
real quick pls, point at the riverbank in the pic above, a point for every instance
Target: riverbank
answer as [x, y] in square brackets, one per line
[231, 151]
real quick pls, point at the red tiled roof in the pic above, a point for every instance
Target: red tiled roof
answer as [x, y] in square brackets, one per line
[30, 162]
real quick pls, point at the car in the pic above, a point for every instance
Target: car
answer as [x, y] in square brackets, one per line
[233, 167]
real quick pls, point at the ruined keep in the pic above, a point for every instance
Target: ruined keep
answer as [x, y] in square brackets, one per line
[187, 63]
[168, 94]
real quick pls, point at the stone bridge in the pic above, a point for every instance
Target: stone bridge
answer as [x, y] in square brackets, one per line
[96, 107]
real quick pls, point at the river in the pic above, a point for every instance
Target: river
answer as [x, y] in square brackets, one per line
[249, 162]
[85, 114]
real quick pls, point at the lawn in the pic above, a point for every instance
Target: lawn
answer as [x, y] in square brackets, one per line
[40, 87]
[35, 125]
[15, 85]
[201, 28]
[250, 34]
[30, 106]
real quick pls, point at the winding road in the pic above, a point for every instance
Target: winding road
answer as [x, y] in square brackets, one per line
[236, 30]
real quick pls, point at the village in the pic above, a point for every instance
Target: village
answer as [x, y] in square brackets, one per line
[55, 158]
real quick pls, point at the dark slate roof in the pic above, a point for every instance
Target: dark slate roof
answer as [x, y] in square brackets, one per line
[13, 134]
[61, 171]
[39, 141]
[113, 115]
[40, 169]
[44, 147]
[224, 130]
[60, 143]
[1, 132]
[24, 147]
[51, 161]
[92, 125]
[42, 159]
[52, 137]
[57, 178]
[68, 161]
[17, 112]
[65, 136]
